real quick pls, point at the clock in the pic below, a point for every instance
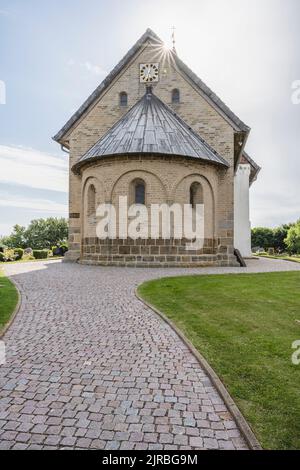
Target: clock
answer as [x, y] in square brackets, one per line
[149, 73]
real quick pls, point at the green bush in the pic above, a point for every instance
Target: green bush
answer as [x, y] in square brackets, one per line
[19, 252]
[60, 249]
[293, 239]
[40, 254]
[64, 247]
[9, 255]
[2, 257]
[28, 257]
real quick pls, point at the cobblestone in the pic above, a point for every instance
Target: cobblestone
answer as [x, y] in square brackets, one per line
[89, 366]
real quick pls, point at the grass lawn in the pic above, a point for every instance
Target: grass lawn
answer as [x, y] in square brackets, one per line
[8, 299]
[294, 259]
[244, 325]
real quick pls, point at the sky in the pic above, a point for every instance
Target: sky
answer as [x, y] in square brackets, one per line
[53, 54]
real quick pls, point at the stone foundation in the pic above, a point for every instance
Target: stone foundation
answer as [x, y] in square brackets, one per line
[154, 253]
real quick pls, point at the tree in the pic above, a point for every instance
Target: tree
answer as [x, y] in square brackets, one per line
[45, 233]
[262, 237]
[17, 239]
[279, 236]
[41, 233]
[292, 240]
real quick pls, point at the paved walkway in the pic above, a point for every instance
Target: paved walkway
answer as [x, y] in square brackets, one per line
[89, 366]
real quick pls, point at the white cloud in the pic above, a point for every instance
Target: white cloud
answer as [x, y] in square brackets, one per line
[42, 205]
[88, 66]
[33, 168]
[93, 68]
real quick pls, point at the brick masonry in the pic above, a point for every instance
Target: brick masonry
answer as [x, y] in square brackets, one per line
[150, 253]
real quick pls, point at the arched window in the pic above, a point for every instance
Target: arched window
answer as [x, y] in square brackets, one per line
[196, 194]
[175, 96]
[138, 192]
[123, 98]
[91, 201]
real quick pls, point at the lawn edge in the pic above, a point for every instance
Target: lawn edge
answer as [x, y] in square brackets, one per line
[241, 422]
[4, 330]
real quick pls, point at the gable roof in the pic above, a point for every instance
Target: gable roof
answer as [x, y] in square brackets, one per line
[150, 35]
[151, 127]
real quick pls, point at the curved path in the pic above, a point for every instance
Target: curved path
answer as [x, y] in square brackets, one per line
[89, 366]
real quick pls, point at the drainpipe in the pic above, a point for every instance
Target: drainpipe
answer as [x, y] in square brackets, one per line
[64, 149]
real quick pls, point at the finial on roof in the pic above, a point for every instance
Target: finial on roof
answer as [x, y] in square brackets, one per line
[174, 40]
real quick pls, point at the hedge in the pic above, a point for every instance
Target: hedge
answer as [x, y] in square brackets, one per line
[19, 252]
[40, 254]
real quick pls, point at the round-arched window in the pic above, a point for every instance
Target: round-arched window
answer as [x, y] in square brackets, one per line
[138, 192]
[196, 194]
[91, 201]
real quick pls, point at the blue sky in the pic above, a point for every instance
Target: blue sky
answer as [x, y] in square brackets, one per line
[54, 53]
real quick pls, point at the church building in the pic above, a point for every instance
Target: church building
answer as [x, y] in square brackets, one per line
[154, 132]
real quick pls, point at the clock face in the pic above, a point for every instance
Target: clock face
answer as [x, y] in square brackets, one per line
[149, 73]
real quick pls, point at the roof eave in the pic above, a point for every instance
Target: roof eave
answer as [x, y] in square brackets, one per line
[76, 169]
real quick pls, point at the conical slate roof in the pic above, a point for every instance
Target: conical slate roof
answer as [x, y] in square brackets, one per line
[151, 127]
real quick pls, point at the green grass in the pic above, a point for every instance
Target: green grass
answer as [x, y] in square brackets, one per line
[244, 325]
[8, 299]
[294, 259]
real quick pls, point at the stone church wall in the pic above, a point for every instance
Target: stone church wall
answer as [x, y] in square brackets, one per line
[167, 180]
[193, 109]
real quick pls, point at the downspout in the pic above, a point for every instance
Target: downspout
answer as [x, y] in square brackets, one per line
[64, 149]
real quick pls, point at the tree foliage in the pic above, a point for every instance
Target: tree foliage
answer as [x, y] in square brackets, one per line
[262, 237]
[283, 238]
[40, 234]
[293, 239]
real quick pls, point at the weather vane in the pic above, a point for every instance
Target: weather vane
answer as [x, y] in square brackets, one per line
[173, 39]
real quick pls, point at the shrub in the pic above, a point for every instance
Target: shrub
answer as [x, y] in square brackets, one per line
[60, 250]
[64, 248]
[293, 239]
[28, 257]
[2, 257]
[9, 255]
[56, 251]
[19, 252]
[40, 254]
